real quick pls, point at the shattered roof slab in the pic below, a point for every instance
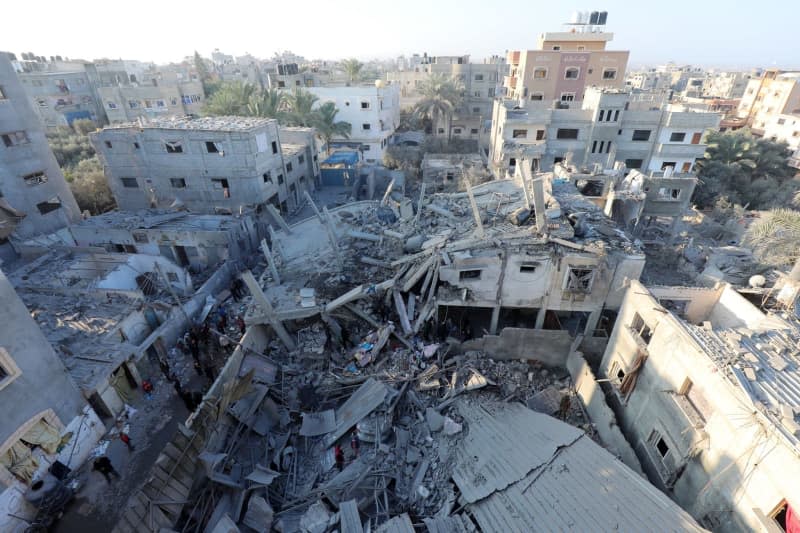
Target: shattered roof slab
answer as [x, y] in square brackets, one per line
[491, 456]
[523, 471]
[365, 400]
[457, 523]
[226, 123]
[398, 524]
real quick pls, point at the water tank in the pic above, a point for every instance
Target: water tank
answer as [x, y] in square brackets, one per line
[584, 17]
[601, 19]
[575, 18]
[379, 83]
[594, 17]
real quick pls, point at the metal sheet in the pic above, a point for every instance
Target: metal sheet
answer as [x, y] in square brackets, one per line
[365, 400]
[320, 423]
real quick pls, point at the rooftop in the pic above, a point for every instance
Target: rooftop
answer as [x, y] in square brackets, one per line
[292, 149]
[200, 123]
[162, 219]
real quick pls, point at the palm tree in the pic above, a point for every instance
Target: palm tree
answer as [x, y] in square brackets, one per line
[441, 96]
[230, 99]
[736, 149]
[775, 238]
[269, 103]
[300, 105]
[328, 127]
[352, 67]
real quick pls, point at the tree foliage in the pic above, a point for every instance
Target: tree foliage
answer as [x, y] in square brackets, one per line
[327, 125]
[71, 145]
[775, 238]
[352, 67]
[441, 96]
[746, 170]
[89, 186]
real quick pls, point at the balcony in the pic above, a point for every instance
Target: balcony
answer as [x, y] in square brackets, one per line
[681, 150]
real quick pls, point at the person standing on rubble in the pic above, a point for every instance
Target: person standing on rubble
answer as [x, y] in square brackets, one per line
[355, 443]
[124, 434]
[338, 455]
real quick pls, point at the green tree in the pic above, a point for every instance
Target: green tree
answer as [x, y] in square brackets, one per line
[749, 171]
[268, 103]
[775, 238]
[352, 67]
[441, 96]
[89, 186]
[300, 105]
[71, 146]
[325, 122]
[231, 99]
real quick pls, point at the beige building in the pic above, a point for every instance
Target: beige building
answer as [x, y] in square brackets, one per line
[774, 93]
[563, 65]
[704, 386]
[126, 103]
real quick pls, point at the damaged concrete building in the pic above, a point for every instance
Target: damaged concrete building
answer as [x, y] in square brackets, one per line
[195, 241]
[210, 165]
[704, 385]
[34, 197]
[43, 417]
[641, 130]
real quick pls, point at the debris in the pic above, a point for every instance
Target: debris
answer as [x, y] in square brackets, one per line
[435, 420]
[451, 427]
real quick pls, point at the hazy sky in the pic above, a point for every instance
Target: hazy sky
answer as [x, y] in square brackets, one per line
[701, 32]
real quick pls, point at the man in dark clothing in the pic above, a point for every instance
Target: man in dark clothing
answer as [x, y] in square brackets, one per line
[355, 443]
[338, 455]
[103, 465]
[241, 324]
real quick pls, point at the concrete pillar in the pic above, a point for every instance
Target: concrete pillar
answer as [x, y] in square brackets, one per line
[591, 322]
[495, 320]
[540, 318]
[270, 261]
[538, 205]
[262, 302]
[475, 212]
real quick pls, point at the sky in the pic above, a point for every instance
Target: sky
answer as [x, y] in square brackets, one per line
[698, 32]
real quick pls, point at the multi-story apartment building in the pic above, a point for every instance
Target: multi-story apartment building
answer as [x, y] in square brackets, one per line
[786, 128]
[211, 164]
[648, 80]
[60, 91]
[774, 93]
[610, 125]
[726, 85]
[34, 197]
[373, 112]
[126, 103]
[563, 65]
[704, 386]
[481, 83]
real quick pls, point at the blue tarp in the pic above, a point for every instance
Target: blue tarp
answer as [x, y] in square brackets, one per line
[342, 158]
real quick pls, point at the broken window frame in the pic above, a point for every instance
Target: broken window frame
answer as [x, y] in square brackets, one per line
[173, 147]
[519, 134]
[129, 183]
[15, 138]
[35, 178]
[529, 267]
[641, 329]
[470, 274]
[580, 278]
[669, 194]
[177, 183]
[48, 206]
[140, 237]
[213, 147]
[222, 184]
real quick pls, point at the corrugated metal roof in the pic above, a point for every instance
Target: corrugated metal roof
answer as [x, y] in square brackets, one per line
[491, 457]
[579, 487]
[368, 397]
[398, 524]
[457, 523]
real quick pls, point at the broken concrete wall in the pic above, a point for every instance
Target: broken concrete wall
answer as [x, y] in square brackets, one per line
[667, 197]
[733, 310]
[123, 278]
[551, 347]
[601, 415]
[699, 301]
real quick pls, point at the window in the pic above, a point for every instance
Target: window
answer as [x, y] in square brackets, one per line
[640, 328]
[566, 133]
[476, 110]
[641, 135]
[174, 147]
[111, 105]
[108, 144]
[556, 48]
[617, 374]
[634, 163]
[696, 137]
[602, 114]
[779, 515]
[35, 178]
[129, 183]
[177, 183]
[364, 105]
[473, 131]
[222, 184]
[609, 74]
[537, 97]
[133, 104]
[572, 73]
[476, 94]
[666, 164]
[657, 441]
[528, 267]
[366, 126]
[213, 147]
[457, 131]
[274, 147]
[267, 177]
[579, 279]
[280, 179]
[281, 83]
[512, 161]
[490, 92]
[539, 135]
[440, 130]
[665, 193]
[136, 145]
[15, 138]
[781, 121]
[478, 77]
[594, 147]
[469, 274]
[616, 115]
[49, 206]
[288, 167]
[567, 97]
[677, 137]
[519, 134]
[539, 73]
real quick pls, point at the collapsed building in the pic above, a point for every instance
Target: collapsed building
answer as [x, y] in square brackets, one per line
[381, 323]
[705, 387]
